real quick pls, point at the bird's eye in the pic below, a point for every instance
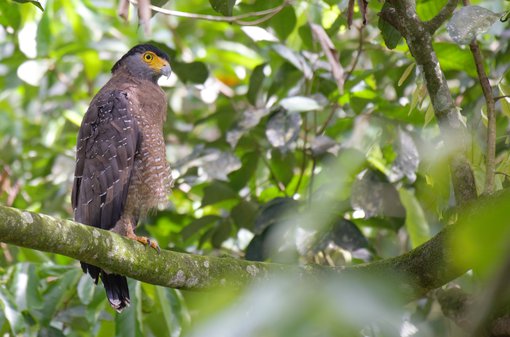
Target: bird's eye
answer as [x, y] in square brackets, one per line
[148, 57]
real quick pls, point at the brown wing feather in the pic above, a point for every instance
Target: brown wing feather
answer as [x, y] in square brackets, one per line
[107, 142]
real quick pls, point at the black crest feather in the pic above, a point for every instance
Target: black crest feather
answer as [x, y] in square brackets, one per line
[140, 49]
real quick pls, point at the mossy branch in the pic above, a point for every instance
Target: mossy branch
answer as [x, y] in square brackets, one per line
[425, 268]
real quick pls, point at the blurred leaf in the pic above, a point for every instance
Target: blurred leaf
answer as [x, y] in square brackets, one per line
[295, 59]
[428, 9]
[470, 21]
[85, 289]
[273, 212]
[44, 34]
[244, 214]
[300, 104]
[284, 22]
[416, 223]
[217, 191]
[223, 6]
[129, 322]
[376, 197]
[198, 224]
[282, 166]
[92, 64]
[57, 292]
[256, 79]
[193, 72]
[221, 232]
[10, 15]
[407, 161]
[406, 73]
[390, 34]
[36, 3]
[474, 245]
[11, 312]
[452, 57]
[282, 129]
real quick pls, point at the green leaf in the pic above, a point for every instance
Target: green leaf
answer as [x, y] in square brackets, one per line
[10, 15]
[44, 35]
[428, 9]
[197, 225]
[221, 232]
[452, 57]
[223, 6]
[244, 214]
[57, 292]
[390, 34]
[194, 72]
[256, 80]
[284, 22]
[11, 312]
[129, 322]
[282, 165]
[85, 289]
[416, 223]
[406, 73]
[33, 2]
[217, 191]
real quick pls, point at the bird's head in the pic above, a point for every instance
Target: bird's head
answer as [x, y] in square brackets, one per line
[144, 61]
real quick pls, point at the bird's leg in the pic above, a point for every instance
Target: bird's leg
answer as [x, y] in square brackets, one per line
[143, 240]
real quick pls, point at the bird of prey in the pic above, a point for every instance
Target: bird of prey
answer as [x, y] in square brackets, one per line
[121, 169]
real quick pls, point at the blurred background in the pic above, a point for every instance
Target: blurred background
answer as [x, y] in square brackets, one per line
[292, 139]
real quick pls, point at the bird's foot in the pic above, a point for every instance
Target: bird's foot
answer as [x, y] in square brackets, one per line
[146, 241]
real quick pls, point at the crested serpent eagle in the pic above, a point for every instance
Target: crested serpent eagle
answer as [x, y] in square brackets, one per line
[121, 168]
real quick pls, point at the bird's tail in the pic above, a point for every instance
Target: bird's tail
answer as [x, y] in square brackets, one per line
[116, 286]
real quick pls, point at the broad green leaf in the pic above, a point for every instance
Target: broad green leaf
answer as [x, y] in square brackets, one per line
[57, 292]
[221, 232]
[36, 3]
[85, 289]
[256, 80]
[391, 36]
[198, 224]
[217, 191]
[429, 8]
[129, 322]
[44, 34]
[244, 214]
[223, 6]
[11, 312]
[416, 222]
[474, 245]
[92, 64]
[284, 22]
[452, 57]
[281, 165]
[194, 72]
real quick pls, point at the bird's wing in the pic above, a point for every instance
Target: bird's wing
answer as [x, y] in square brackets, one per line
[107, 143]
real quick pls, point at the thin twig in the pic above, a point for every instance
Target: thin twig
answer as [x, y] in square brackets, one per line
[497, 98]
[436, 22]
[303, 162]
[266, 14]
[358, 54]
[490, 164]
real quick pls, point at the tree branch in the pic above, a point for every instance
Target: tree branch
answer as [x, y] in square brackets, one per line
[490, 157]
[424, 268]
[402, 15]
[436, 22]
